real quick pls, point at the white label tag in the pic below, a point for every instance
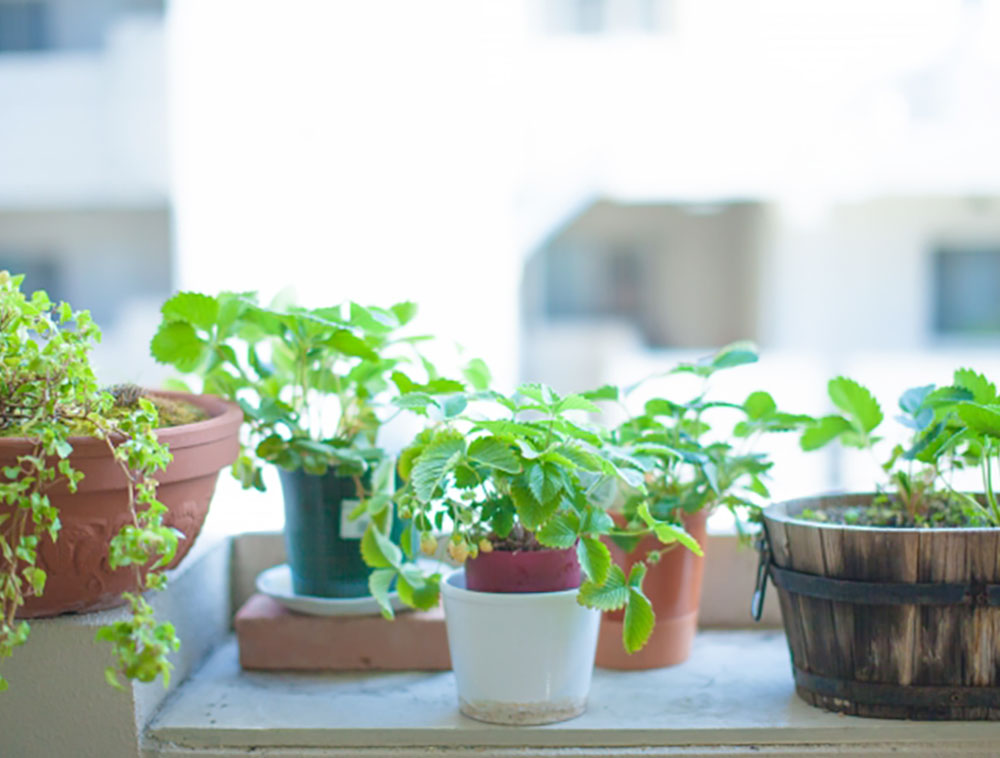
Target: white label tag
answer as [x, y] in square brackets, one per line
[352, 530]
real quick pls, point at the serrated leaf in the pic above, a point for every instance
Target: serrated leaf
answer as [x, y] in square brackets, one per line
[193, 307]
[980, 419]
[560, 531]
[493, 452]
[983, 390]
[434, 463]
[639, 620]
[576, 403]
[823, 431]
[856, 401]
[530, 511]
[545, 481]
[945, 396]
[595, 559]
[609, 595]
[176, 343]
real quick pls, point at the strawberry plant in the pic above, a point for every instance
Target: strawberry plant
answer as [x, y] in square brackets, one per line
[951, 428]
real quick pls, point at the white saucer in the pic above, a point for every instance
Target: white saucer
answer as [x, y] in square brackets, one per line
[276, 583]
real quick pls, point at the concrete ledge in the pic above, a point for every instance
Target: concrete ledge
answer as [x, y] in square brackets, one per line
[58, 703]
[734, 697]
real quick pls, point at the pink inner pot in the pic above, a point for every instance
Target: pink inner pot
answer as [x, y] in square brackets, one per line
[523, 571]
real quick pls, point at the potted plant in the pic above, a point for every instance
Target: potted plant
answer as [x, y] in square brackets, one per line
[100, 490]
[522, 489]
[891, 599]
[310, 382]
[690, 469]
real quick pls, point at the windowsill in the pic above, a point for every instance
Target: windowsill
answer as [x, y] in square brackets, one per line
[736, 690]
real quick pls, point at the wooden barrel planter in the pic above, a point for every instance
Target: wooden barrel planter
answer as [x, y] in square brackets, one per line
[887, 622]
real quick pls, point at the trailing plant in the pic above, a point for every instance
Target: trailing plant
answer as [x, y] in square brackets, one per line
[48, 395]
[689, 465]
[309, 380]
[512, 472]
[951, 428]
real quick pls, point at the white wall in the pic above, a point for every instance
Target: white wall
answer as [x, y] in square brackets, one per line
[352, 151]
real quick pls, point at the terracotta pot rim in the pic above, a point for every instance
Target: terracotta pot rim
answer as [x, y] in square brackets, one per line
[779, 512]
[224, 415]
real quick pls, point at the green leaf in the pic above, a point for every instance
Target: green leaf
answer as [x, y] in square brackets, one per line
[639, 618]
[605, 392]
[494, 452]
[348, 343]
[595, 558]
[980, 419]
[856, 401]
[193, 307]
[913, 399]
[176, 343]
[453, 405]
[984, 392]
[544, 481]
[478, 374]
[530, 511]
[823, 431]
[434, 463]
[560, 531]
[404, 312]
[759, 404]
[735, 354]
[576, 403]
[379, 582]
[418, 591]
[609, 595]
[666, 532]
[378, 551]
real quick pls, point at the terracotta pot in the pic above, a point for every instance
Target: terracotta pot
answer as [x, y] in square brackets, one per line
[523, 571]
[79, 578]
[674, 587]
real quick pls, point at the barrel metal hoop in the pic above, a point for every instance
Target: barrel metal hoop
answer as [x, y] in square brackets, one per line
[885, 593]
[922, 696]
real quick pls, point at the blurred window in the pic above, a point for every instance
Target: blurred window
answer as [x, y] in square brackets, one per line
[23, 26]
[967, 291]
[605, 16]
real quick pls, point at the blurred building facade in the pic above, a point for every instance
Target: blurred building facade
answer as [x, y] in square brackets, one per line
[84, 190]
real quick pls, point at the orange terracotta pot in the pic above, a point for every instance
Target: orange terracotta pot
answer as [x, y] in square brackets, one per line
[674, 587]
[79, 577]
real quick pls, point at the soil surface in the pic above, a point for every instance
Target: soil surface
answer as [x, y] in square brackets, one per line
[518, 539]
[939, 511]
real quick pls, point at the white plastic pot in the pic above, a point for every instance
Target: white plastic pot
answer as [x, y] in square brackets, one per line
[519, 658]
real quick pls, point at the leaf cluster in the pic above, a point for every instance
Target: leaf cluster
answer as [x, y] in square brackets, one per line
[688, 465]
[952, 427]
[48, 394]
[521, 468]
[311, 381]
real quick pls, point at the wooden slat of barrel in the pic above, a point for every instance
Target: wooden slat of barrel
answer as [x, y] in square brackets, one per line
[943, 646]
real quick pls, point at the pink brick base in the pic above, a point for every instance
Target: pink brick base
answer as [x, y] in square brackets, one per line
[271, 637]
